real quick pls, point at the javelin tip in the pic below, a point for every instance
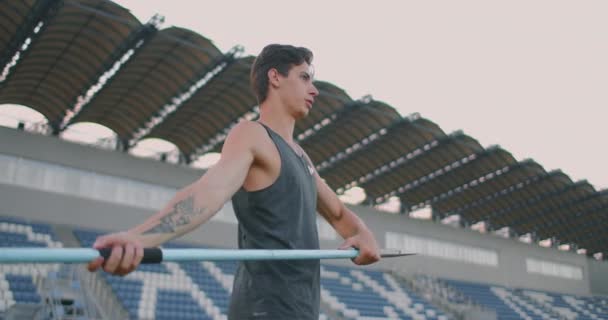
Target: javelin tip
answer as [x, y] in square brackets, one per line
[392, 253]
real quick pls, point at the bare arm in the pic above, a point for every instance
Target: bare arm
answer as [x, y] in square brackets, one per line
[198, 202]
[347, 224]
[189, 208]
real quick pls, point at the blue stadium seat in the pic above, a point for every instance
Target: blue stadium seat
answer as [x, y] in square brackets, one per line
[176, 303]
[19, 279]
[365, 293]
[514, 303]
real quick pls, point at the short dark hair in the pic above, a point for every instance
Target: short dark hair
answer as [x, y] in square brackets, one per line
[277, 56]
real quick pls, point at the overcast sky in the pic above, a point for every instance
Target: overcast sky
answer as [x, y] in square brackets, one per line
[531, 76]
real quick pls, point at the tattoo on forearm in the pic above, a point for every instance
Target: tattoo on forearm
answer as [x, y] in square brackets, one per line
[182, 214]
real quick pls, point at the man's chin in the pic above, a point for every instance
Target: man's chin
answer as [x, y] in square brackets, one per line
[302, 114]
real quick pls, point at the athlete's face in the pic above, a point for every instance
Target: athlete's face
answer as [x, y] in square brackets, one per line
[297, 90]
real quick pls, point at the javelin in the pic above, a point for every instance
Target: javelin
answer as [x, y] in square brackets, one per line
[157, 255]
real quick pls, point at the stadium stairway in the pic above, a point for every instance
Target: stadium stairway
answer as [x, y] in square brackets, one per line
[64, 296]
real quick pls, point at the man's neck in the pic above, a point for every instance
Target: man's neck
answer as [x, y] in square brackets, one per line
[278, 121]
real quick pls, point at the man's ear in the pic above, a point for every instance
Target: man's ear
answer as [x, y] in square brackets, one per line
[273, 77]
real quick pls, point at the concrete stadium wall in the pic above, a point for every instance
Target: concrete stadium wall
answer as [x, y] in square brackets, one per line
[599, 277]
[49, 180]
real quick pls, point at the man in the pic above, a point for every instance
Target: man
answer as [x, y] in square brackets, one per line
[275, 193]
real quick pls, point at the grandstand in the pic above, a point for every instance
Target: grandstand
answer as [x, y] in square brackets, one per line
[202, 290]
[56, 193]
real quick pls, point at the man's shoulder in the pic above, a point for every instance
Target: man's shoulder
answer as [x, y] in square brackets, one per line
[247, 127]
[246, 133]
[247, 130]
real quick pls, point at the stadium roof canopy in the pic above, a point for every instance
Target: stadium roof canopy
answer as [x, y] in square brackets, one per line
[166, 63]
[70, 44]
[92, 60]
[202, 121]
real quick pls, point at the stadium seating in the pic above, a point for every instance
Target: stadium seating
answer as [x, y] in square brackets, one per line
[201, 290]
[18, 281]
[513, 303]
[188, 290]
[568, 306]
[168, 290]
[590, 307]
[365, 294]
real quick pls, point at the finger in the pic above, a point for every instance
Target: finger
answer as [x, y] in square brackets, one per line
[348, 244]
[101, 242]
[376, 256]
[139, 255]
[109, 240]
[127, 271]
[114, 259]
[127, 257]
[360, 259]
[95, 264]
[367, 255]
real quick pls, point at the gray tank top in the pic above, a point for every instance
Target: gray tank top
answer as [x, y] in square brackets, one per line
[281, 216]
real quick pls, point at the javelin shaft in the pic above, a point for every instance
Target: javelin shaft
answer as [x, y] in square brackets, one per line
[157, 255]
